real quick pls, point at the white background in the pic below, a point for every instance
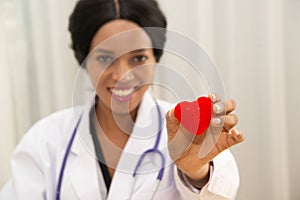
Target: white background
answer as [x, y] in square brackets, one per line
[255, 44]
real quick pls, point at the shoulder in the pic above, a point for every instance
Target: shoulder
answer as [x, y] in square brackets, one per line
[60, 120]
[51, 129]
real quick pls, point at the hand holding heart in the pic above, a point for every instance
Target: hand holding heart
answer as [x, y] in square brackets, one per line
[186, 134]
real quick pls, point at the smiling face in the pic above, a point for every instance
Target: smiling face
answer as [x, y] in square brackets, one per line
[120, 65]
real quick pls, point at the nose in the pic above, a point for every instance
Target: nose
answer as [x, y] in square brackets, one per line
[122, 71]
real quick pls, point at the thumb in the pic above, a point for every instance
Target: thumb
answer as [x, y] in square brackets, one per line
[172, 124]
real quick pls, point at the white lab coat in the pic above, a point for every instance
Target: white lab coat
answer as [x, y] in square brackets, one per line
[37, 161]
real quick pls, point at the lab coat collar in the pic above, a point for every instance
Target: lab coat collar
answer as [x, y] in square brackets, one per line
[85, 166]
[147, 111]
[142, 138]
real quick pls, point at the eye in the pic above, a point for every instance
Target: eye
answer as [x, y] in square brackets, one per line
[139, 59]
[105, 59]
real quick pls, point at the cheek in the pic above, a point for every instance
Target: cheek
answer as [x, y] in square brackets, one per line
[146, 74]
[100, 84]
[151, 73]
[96, 76]
[94, 71]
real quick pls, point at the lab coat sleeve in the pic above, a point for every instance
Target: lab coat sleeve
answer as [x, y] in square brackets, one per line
[223, 182]
[27, 164]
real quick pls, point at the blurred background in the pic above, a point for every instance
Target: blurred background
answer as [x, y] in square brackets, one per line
[254, 43]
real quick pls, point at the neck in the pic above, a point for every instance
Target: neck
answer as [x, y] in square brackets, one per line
[112, 123]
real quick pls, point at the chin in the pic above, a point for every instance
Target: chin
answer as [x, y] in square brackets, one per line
[124, 107]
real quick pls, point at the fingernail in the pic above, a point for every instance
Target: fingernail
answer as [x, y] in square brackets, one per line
[218, 108]
[213, 97]
[170, 113]
[216, 121]
[237, 132]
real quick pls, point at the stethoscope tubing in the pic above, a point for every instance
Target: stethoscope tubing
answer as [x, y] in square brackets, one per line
[154, 149]
[63, 166]
[145, 153]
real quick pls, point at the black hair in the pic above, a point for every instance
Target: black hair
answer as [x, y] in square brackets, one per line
[89, 15]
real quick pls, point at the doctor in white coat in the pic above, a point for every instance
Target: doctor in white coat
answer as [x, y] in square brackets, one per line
[92, 151]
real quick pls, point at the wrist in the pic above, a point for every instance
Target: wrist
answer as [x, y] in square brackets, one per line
[201, 178]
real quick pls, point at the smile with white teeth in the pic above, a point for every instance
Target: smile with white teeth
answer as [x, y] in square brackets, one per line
[122, 92]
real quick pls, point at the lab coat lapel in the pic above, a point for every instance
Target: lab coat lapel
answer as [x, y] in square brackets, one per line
[142, 138]
[83, 166]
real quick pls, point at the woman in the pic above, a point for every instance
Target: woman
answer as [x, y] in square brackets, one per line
[106, 140]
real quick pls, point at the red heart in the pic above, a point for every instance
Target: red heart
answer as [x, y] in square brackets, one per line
[194, 116]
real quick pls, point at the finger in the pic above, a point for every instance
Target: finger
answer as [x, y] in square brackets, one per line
[216, 121]
[216, 126]
[170, 117]
[229, 139]
[230, 105]
[224, 123]
[236, 136]
[230, 121]
[221, 108]
[214, 97]
[172, 123]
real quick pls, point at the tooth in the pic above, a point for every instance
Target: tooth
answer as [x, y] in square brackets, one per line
[120, 92]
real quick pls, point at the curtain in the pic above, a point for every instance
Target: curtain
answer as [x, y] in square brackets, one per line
[254, 43]
[13, 83]
[37, 68]
[256, 46]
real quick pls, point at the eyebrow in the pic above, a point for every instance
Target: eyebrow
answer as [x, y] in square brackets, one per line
[104, 51]
[111, 52]
[139, 50]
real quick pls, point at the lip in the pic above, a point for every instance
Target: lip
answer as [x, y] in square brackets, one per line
[124, 89]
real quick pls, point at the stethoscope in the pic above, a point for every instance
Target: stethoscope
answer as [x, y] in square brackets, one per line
[153, 150]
